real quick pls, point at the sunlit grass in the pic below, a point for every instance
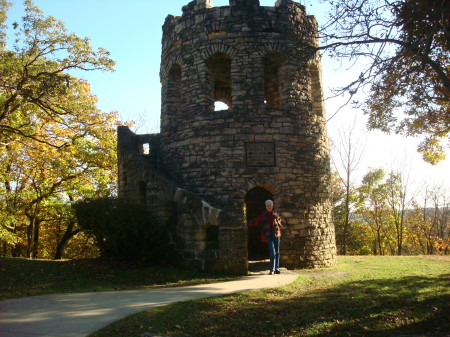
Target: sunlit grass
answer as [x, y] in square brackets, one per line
[362, 296]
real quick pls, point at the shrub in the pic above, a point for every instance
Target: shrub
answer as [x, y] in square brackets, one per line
[125, 230]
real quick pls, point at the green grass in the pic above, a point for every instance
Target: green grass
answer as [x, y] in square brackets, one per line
[25, 277]
[362, 296]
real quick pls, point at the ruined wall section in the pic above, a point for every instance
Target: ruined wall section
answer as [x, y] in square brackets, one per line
[194, 224]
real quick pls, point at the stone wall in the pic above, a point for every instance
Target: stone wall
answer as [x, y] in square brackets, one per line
[195, 225]
[259, 61]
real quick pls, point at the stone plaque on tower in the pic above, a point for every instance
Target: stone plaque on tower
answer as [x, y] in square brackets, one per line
[260, 154]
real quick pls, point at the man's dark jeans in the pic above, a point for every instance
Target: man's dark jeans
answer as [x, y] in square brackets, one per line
[274, 252]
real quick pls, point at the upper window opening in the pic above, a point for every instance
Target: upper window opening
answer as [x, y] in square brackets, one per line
[146, 148]
[315, 86]
[220, 106]
[143, 191]
[174, 89]
[272, 83]
[125, 176]
[219, 71]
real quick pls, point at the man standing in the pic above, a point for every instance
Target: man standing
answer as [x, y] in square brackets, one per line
[270, 225]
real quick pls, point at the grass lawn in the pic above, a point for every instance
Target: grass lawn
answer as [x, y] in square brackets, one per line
[362, 296]
[25, 277]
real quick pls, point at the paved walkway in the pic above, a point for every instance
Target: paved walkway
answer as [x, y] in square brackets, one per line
[76, 315]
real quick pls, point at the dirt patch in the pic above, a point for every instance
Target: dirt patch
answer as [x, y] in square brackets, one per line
[323, 273]
[441, 258]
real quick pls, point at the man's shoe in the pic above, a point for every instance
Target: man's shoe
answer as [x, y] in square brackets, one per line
[271, 273]
[277, 272]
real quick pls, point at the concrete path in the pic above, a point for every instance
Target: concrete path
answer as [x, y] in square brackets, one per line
[76, 315]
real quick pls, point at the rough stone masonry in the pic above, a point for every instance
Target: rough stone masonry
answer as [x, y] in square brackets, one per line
[210, 169]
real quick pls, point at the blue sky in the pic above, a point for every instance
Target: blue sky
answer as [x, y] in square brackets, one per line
[131, 32]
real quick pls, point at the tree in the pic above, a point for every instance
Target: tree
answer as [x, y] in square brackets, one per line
[406, 44]
[55, 145]
[396, 189]
[373, 207]
[434, 225]
[38, 94]
[346, 157]
[126, 230]
[38, 181]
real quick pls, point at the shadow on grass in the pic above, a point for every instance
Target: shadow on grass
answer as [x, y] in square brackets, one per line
[24, 277]
[380, 307]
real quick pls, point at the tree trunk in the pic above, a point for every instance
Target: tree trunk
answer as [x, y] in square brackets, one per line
[346, 221]
[30, 237]
[33, 237]
[37, 227]
[68, 234]
[379, 242]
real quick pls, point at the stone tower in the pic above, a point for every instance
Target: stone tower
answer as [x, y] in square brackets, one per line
[211, 169]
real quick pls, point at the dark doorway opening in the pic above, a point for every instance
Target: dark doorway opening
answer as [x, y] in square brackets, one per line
[254, 206]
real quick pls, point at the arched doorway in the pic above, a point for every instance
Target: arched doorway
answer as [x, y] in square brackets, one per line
[254, 206]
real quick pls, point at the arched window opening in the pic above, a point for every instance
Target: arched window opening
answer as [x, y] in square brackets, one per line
[124, 175]
[174, 89]
[146, 149]
[212, 237]
[220, 106]
[219, 77]
[272, 84]
[254, 206]
[316, 90]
